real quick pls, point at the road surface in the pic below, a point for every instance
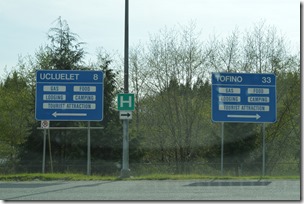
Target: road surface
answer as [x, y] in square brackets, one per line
[152, 190]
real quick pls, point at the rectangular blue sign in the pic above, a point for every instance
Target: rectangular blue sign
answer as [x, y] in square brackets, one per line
[239, 97]
[69, 95]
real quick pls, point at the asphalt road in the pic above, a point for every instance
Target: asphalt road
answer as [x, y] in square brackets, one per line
[152, 190]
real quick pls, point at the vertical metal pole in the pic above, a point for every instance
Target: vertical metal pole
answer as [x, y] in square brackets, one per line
[50, 150]
[126, 53]
[89, 150]
[264, 146]
[44, 149]
[125, 152]
[222, 150]
[125, 157]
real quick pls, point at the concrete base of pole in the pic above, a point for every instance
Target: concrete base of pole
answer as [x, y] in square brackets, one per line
[125, 173]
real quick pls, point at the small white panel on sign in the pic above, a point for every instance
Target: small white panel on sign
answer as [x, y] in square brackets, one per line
[229, 99]
[84, 88]
[54, 88]
[258, 91]
[230, 90]
[45, 124]
[125, 115]
[54, 97]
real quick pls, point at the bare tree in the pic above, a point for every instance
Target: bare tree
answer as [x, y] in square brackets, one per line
[225, 55]
[171, 68]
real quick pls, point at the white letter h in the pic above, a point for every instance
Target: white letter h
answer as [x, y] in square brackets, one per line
[127, 101]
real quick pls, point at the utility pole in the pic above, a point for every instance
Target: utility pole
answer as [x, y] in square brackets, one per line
[125, 171]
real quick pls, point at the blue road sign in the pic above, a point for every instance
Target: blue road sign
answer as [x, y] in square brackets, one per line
[238, 97]
[69, 95]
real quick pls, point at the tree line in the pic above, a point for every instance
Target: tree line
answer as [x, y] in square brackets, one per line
[171, 130]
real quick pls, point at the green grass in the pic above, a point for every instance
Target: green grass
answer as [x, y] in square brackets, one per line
[50, 177]
[204, 177]
[81, 177]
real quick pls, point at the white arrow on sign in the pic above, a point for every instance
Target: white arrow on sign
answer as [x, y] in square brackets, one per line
[125, 115]
[55, 114]
[256, 116]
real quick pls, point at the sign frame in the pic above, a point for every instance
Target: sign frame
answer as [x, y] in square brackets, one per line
[69, 95]
[243, 98]
[125, 115]
[128, 99]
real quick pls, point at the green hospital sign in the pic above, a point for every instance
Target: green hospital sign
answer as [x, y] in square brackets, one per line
[125, 102]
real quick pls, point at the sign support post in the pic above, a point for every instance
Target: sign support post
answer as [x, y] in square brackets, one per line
[125, 162]
[264, 148]
[89, 150]
[222, 150]
[125, 172]
[44, 124]
[50, 150]
[44, 149]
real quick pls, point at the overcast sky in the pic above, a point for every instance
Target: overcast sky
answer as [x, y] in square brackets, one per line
[100, 23]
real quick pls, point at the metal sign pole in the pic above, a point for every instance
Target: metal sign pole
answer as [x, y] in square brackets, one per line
[50, 150]
[263, 166]
[222, 150]
[89, 150]
[125, 157]
[44, 148]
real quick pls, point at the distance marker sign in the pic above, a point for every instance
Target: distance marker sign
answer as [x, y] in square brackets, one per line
[238, 97]
[69, 95]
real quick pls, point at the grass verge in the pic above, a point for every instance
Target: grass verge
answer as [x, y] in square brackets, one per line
[81, 177]
[50, 177]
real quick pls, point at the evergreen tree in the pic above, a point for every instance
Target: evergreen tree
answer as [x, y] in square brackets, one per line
[16, 117]
[65, 51]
